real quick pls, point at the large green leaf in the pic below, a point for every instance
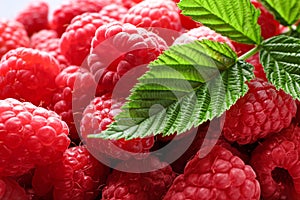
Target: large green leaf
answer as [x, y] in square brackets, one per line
[286, 11]
[280, 57]
[234, 19]
[186, 86]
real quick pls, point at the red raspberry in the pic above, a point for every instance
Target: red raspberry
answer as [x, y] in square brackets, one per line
[28, 75]
[11, 190]
[114, 11]
[201, 33]
[63, 98]
[258, 68]
[29, 136]
[186, 21]
[153, 13]
[277, 162]
[261, 112]
[96, 117]
[34, 17]
[218, 175]
[52, 47]
[269, 27]
[42, 37]
[143, 186]
[63, 15]
[12, 35]
[76, 41]
[78, 175]
[129, 47]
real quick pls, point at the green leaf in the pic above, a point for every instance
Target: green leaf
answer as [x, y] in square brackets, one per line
[234, 19]
[287, 12]
[173, 96]
[280, 58]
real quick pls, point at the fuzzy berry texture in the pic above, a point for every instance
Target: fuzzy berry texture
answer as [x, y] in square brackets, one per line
[77, 175]
[41, 37]
[52, 47]
[12, 35]
[218, 175]
[34, 17]
[269, 27]
[143, 186]
[28, 75]
[11, 190]
[260, 113]
[76, 41]
[64, 97]
[96, 117]
[114, 11]
[277, 162]
[63, 15]
[201, 33]
[29, 136]
[131, 49]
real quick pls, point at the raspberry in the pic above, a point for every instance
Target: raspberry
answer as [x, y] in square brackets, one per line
[34, 17]
[201, 33]
[63, 15]
[28, 75]
[29, 136]
[129, 47]
[276, 162]
[114, 11]
[78, 175]
[258, 68]
[10, 189]
[143, 186]
[218, 175]
[96, 117]
[261, 112]
[52, 47]
[63, 98]
[42, 37]
[12, 35]
[76, 41]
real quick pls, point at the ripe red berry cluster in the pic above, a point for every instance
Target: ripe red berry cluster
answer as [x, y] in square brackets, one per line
[62, 79]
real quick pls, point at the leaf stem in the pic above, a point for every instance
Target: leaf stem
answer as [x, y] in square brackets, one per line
[249, 53]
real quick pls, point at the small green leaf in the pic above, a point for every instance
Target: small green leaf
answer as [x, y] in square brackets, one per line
[280, 58]
[287, 12]
[234, 19]
[173, 96]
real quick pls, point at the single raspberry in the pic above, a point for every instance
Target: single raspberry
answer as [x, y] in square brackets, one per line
[63, 15]
[218, 175]
[277, 162]
[76, 41]
[11, 190]
[96, 117]
[186, 21]
[201, 33]
[12, 35]
[78, 175]
[258, 68]
[52, 47]
[261, 112]
[63, 98]
[131, 49]
[114, 11]
[34, 17]
[143, 186]
[42, 37]
[29, 136]
[28, 75]
[269, 27]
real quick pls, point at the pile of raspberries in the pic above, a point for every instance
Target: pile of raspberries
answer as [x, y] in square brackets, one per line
[50, 62]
